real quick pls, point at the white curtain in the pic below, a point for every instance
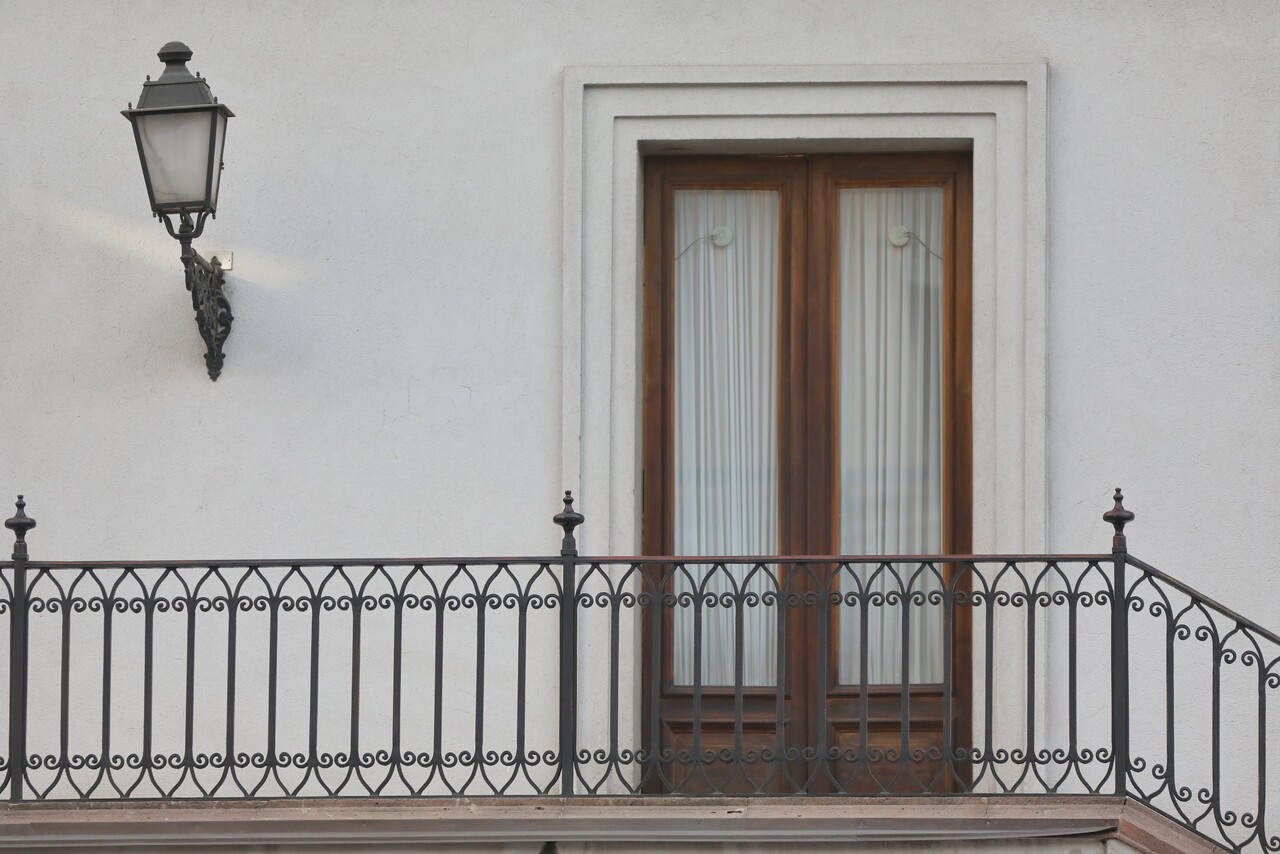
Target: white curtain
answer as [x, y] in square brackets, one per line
[726, 415]
[890, 420]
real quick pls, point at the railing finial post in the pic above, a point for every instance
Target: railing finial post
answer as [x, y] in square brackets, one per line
[568, 519]
[1118, 517]
[19, 523]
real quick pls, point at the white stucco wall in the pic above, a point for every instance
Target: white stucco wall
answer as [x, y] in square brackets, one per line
[393, 198]
[392, 194]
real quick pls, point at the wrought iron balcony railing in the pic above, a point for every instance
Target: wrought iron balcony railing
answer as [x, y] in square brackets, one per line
[571, 675]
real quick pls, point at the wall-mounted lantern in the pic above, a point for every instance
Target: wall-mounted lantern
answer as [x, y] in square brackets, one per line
[180, 129]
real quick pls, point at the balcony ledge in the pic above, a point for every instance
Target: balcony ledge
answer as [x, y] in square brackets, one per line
[398, 821]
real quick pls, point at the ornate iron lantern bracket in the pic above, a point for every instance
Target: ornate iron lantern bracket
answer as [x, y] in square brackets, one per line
[204, 281]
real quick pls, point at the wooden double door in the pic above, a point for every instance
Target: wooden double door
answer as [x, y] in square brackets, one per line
[806, 384]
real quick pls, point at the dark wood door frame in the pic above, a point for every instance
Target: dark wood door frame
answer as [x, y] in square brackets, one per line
[807, 401]
[846, 707]
[768, 714]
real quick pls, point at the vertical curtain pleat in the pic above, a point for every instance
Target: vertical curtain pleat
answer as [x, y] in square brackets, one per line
[890, 423]
[726, 416]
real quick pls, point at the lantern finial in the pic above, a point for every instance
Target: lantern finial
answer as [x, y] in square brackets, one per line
[174, 52]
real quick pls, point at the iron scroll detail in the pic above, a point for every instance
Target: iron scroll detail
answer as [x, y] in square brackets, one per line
[204, 280]
[213, 311]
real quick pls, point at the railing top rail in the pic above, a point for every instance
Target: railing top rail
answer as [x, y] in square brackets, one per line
[585, 560]
[1203, 599]
[284, 563]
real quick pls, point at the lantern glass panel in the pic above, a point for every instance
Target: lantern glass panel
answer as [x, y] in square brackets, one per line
[220, 133]
[175, 147]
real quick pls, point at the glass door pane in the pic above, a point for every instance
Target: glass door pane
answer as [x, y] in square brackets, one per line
[726, 427]
[890, 429]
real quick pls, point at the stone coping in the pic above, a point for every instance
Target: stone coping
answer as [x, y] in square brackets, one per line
[588, 819]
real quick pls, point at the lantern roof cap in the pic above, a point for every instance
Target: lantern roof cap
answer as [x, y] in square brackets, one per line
[176, 87]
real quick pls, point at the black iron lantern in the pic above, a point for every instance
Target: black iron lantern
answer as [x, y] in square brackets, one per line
[180, 129]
